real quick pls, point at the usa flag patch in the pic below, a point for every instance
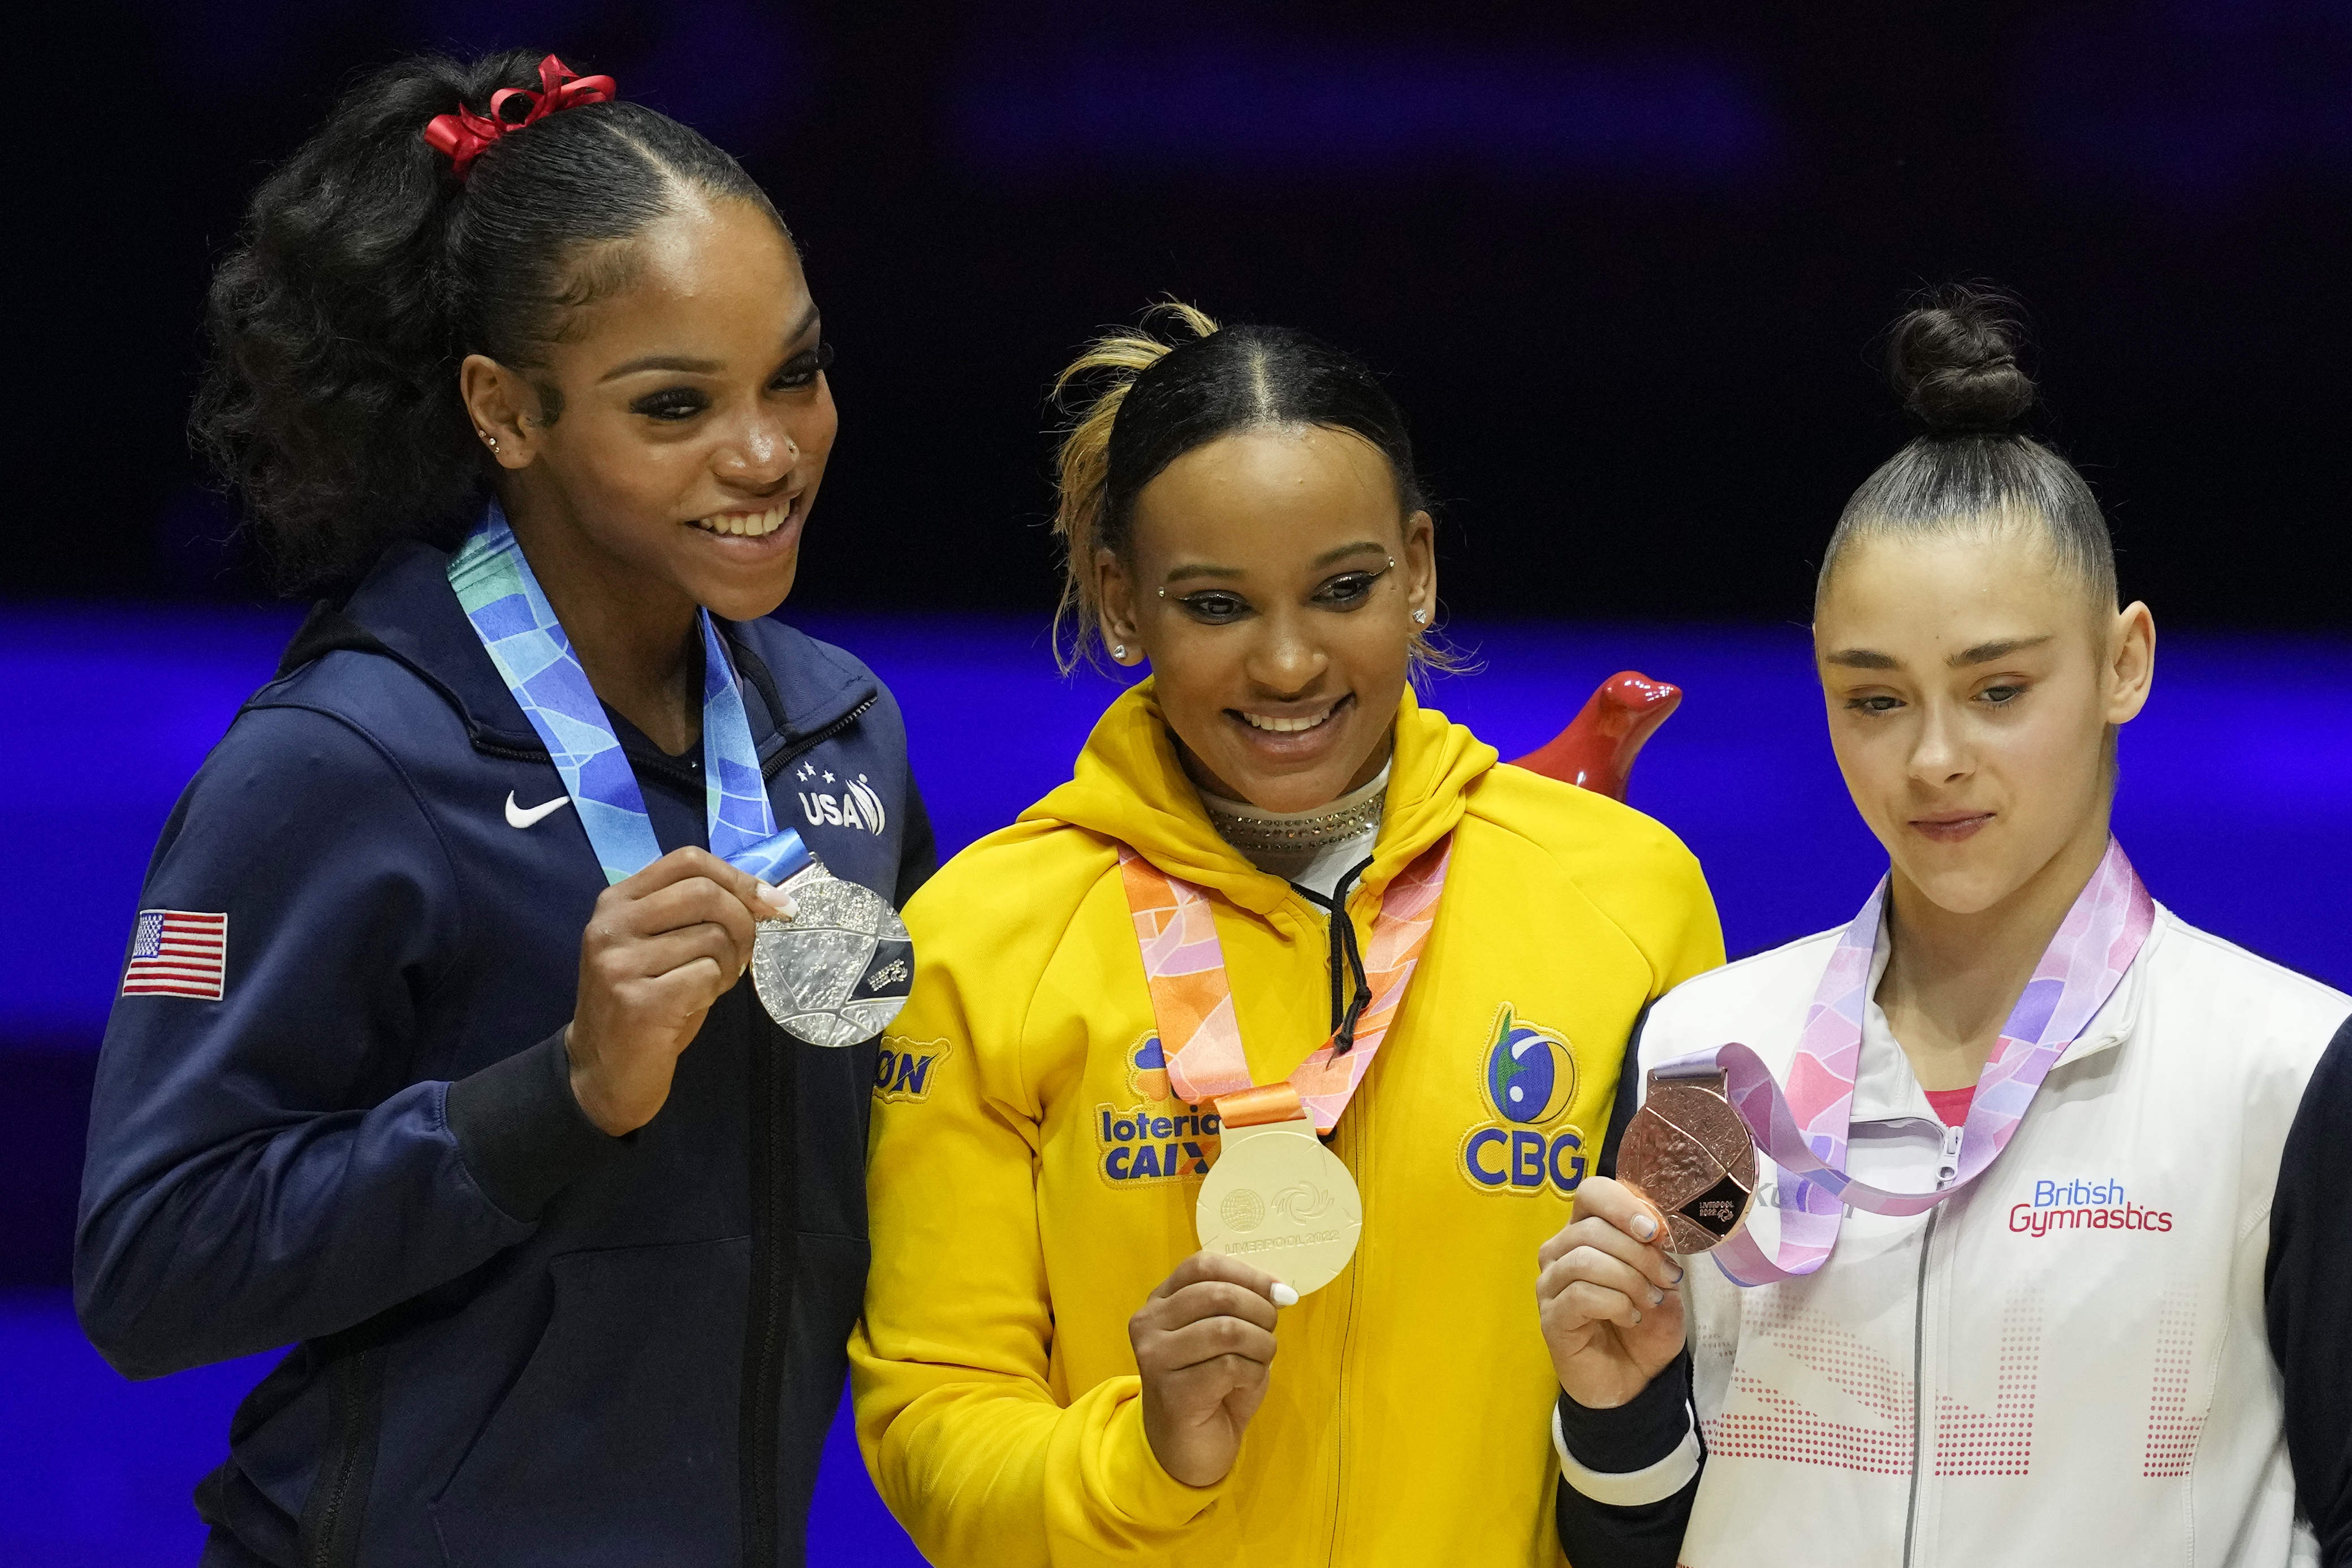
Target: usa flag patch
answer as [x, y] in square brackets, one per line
[176, 954]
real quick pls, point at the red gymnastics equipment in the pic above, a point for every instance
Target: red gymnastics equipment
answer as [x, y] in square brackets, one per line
[1596, 751]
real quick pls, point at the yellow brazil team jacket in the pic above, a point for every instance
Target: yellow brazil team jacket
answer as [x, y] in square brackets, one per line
[1030, 1186]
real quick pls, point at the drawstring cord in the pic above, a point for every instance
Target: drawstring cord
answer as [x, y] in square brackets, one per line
[1345, 959]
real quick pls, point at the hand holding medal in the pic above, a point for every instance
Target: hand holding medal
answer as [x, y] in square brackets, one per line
[1203, 1343]
[1693, 1146]
[661, 947]
[834, 969]
[1278, 1214]
[1609, 1297]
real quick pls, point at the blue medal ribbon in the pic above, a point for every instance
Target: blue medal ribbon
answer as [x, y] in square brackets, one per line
[511, 615]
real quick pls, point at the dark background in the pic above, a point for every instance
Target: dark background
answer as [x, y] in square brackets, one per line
[1622, 262]
[1625, 266]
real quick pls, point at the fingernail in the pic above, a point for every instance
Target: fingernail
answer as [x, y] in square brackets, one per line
[1678, 1275]
[1284, 1296]
[777, 899]
[1645, 1227]
[1656, 1295]
[1637, 1314]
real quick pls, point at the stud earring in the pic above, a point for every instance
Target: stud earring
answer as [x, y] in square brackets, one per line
[488, 440]
[1118, 652]
[1421, 616]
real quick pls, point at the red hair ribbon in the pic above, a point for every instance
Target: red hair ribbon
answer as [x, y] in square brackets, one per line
[464, 135]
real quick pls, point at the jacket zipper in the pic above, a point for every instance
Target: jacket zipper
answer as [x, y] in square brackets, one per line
[1918, 1386]
[790, 755]
[802, 748]
[775, 1248]
[771, 1264]
[347, 1448]
[1355, 1132]
[346, 1467]
[1358, 1139]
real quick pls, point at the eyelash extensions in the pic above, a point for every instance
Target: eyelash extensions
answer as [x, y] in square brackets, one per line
[1197, 604]
[678, 403]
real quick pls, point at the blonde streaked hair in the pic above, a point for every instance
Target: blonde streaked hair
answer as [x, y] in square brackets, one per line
[1148, 399]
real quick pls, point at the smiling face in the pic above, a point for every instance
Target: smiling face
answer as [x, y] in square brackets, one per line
[1271, 584]
[691, 421]
[1972, 690]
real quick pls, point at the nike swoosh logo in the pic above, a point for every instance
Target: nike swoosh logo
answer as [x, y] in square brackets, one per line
[524, 816]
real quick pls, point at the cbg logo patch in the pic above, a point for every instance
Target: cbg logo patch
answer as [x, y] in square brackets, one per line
[904, 1069]
[1157, 1138]
[1528, 1076]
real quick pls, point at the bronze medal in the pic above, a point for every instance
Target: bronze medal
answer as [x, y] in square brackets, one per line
[1687, 1152]
[1278, 1200]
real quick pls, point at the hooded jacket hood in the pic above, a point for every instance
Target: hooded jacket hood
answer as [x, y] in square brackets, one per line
[1130, 785]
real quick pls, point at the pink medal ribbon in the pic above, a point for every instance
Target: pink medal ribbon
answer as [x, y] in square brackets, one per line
[1805, 1133]
[1193, 1003]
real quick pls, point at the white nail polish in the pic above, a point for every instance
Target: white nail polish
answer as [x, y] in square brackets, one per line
[1284, 1296]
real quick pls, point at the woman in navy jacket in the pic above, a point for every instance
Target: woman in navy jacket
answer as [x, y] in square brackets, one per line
[568, 1236]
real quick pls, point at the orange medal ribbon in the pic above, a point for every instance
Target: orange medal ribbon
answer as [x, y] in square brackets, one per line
[1192, 1002]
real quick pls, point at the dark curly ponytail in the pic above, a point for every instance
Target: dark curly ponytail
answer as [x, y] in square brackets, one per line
[367, 270]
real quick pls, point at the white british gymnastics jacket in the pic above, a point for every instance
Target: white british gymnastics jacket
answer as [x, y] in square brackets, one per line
[2126, 1342]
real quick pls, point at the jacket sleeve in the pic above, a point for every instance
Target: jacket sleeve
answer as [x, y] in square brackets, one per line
[2308, 1299]
[1629, 1475]
[264, 1167]
[960, 1415]
[919, 846]
[1635, 1457]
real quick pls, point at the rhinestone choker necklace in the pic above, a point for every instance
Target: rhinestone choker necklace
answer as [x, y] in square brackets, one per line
[1256, 832]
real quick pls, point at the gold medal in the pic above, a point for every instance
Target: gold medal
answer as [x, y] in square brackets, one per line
[1278, 1200]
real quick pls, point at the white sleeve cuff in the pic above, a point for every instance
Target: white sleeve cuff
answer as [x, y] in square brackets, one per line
[1629, 1488]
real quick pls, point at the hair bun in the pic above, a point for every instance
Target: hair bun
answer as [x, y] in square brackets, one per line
[1953, 359]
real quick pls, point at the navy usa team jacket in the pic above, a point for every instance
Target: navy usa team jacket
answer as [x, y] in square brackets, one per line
[516, 1340]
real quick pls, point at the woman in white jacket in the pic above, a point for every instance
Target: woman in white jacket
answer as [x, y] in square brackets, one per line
[2055, 1262]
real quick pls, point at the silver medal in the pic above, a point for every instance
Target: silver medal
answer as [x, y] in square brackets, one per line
[836, 973]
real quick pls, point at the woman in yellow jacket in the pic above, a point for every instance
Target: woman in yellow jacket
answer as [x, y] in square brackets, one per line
[1050, 1368]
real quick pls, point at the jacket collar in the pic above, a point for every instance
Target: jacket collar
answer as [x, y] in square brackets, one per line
[1130, 786]
[406, 610]
[2117, 1019]
[1884, 1085]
